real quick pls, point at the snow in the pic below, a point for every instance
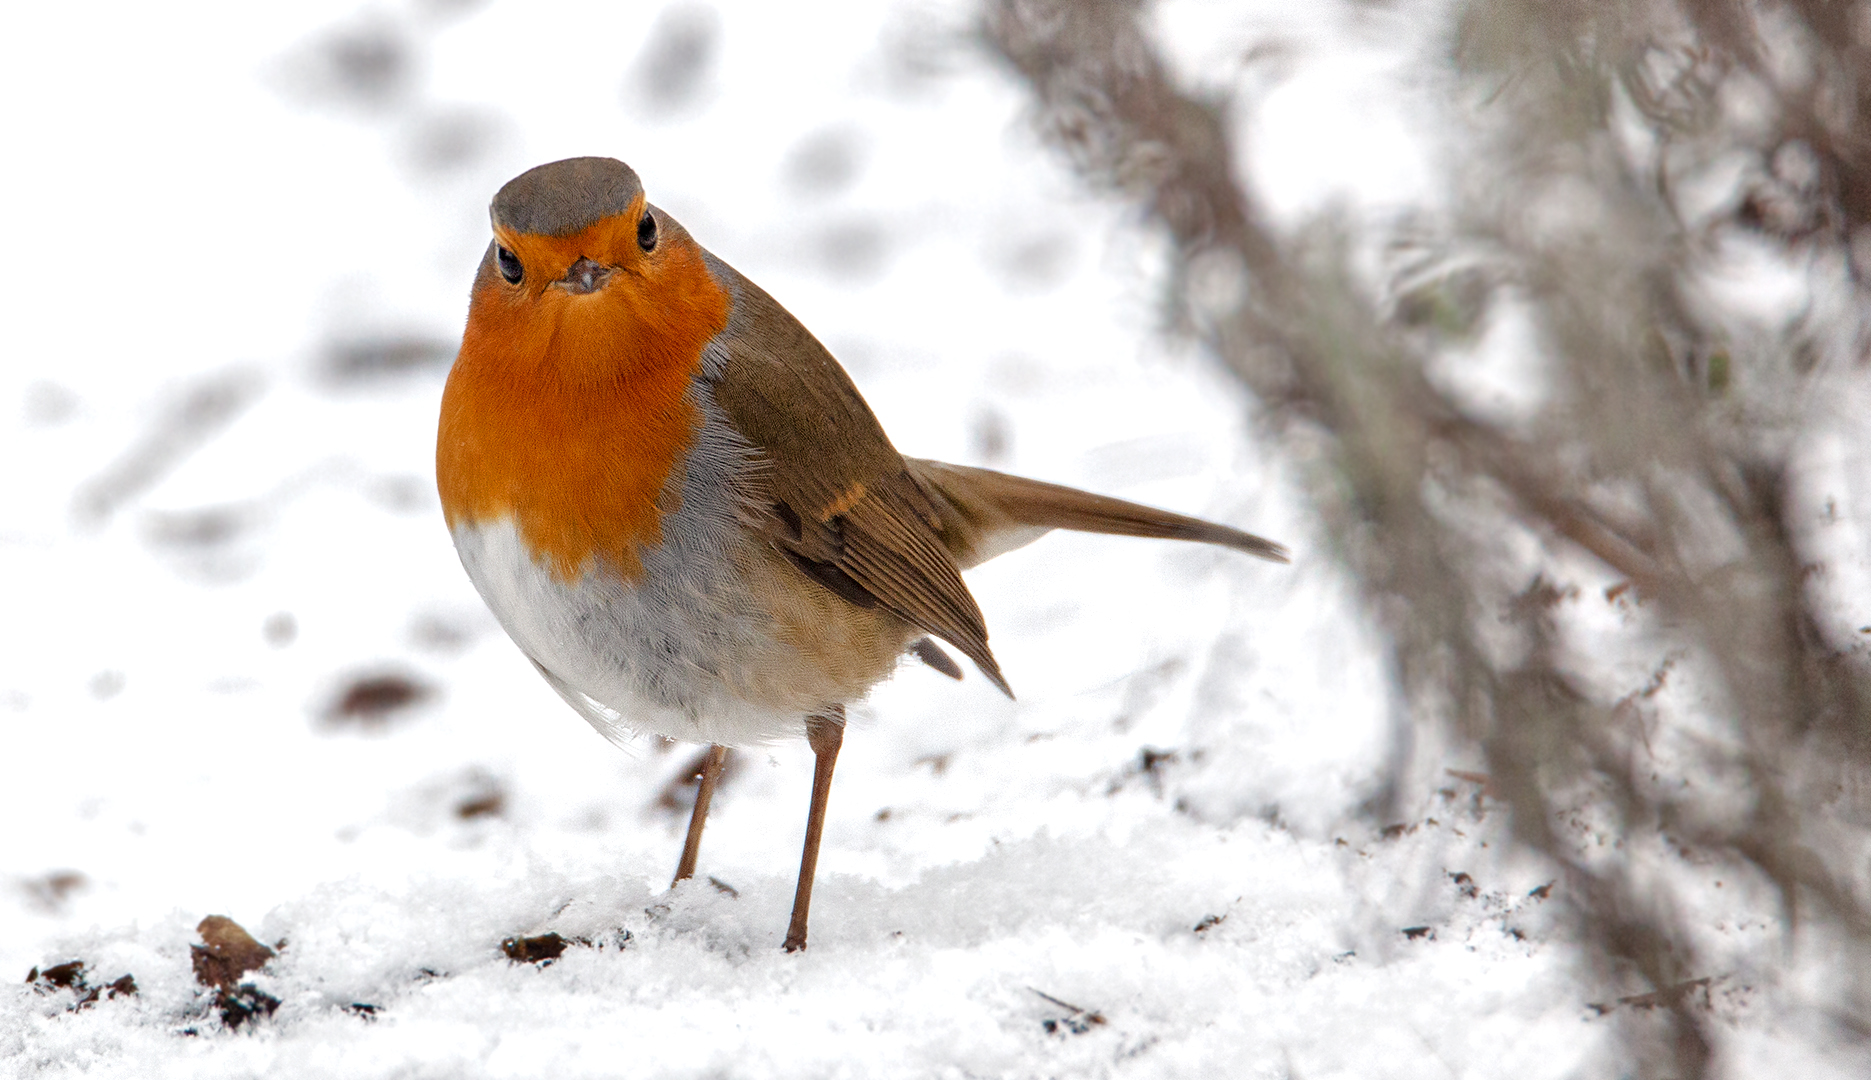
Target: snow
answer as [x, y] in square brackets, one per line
[1162, 831]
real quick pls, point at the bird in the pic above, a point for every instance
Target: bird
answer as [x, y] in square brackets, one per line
[678, 506]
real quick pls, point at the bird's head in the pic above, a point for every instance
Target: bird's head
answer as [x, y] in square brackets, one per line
[585, 280]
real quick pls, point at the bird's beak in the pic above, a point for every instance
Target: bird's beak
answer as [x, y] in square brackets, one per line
[584, 277]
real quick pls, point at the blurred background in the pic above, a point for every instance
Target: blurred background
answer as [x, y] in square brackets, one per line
[1537, 330]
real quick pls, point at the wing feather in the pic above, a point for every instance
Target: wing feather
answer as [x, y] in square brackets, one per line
[840, 500]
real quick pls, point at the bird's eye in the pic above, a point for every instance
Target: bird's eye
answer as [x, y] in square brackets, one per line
[646, 232]
[510, 267]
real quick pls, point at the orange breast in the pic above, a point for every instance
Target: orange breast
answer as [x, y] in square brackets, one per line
[568, 413]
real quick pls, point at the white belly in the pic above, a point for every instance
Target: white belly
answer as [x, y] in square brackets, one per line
[681, 654]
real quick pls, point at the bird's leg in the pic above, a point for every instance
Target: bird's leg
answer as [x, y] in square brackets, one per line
[704, 794]
[825, 734]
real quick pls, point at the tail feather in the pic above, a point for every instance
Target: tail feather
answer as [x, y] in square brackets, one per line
[986, 513]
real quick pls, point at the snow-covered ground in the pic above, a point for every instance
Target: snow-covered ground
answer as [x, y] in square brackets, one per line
[252, 229]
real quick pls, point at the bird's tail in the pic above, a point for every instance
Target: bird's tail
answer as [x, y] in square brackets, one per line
[986, 513]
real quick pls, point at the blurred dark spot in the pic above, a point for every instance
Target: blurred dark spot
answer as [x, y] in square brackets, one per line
[486, 797]
[920, 51]
[1150, 759]
[371, 65]
[49, 892]
[1805, 356]
[200, 528]
[1543, 891]
[541, 950]
[1037, 262]
[105, 685]
[46, 404]
[674, 795]
[672, 71]
[71, 976]
[724, 888]
[883, 815]
[1416, 933]
[823, 163]
[1148, 764]
[938, 763]
[1209, 922]
[447, 142]
[992, 435]
[1465, 885]
[368, 701]
[1392, 832]
[367, 359]
[280, 629]
[359, 67]
[181, 427]
[404, 494]
[854, 250]
[439, 633]
[359, 1008]
[216, 543]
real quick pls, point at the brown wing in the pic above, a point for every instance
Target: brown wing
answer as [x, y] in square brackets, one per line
[844, 507]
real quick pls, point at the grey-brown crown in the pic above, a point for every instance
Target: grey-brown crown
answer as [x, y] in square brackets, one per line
[562, 197]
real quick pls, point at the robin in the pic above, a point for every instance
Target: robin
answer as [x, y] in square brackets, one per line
[680, 509]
